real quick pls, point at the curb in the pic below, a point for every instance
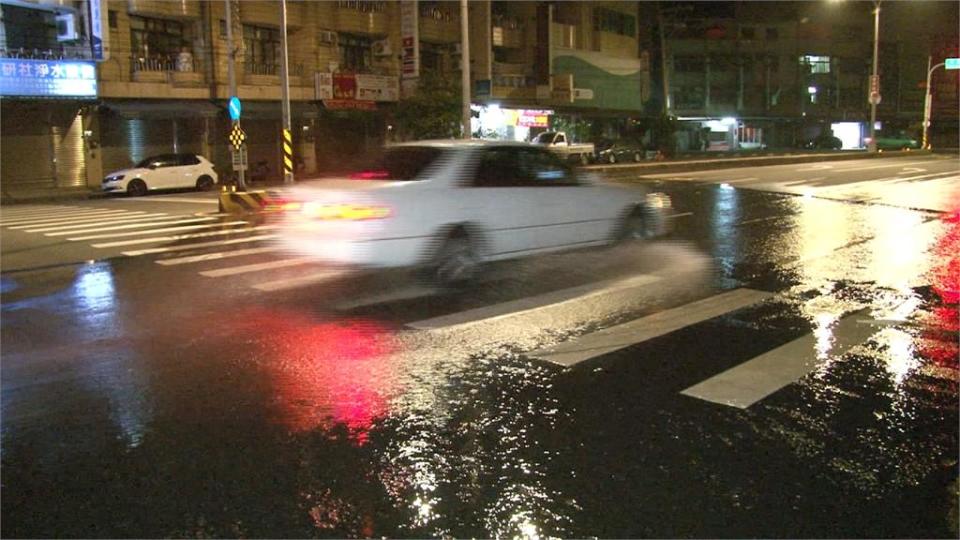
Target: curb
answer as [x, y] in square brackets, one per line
[245, 202]
[732, 163]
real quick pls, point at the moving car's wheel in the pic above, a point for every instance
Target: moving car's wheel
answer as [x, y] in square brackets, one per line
[611, 158]
[204, 183]
[634, 227]
[637, 157]
[456, 262]
[137, 188]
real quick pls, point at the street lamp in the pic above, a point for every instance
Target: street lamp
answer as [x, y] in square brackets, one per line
[874, 80]
[949, 63]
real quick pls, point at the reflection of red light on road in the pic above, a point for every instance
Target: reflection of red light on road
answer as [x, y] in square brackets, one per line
[941, 347]
[324, 373]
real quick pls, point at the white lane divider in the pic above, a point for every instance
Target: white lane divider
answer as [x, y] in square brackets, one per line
[216, 256]
[270, 265]
[198, 245]
[525, 305]
[132, 224]
[646, 328]
[191, 200]
[299, 281]
[66, 218]
[174, 238]
[155, 231]
[755, 379]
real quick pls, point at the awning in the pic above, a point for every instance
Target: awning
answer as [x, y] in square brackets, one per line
[273, 110]
[163, 108]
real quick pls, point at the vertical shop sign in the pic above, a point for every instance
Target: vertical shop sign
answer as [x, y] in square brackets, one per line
[409, 39]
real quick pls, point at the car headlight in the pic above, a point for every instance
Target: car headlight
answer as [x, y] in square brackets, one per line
[114, 178]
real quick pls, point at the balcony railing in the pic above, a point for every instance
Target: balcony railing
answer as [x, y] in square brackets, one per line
[57, 53]
[159, 64]
[256, 68]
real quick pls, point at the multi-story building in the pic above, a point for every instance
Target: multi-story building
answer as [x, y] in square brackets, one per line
[748, 74]
[754, 76]
[151, 76]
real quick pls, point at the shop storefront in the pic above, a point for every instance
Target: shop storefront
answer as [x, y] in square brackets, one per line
[46, 110]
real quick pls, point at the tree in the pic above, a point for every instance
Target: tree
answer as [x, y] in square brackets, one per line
[433, 112]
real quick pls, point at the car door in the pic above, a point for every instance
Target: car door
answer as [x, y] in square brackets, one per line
[503, 202]
[187, 171]
[572, 213]
[159, 173]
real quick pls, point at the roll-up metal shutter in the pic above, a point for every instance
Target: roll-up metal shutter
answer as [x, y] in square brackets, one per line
[26, 152]
[263, 143]
[68, 148]
[125, 141]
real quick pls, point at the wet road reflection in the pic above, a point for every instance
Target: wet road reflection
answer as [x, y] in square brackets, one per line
[132, 410]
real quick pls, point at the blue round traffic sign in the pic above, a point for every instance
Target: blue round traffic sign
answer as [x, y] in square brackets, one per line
[234, 107]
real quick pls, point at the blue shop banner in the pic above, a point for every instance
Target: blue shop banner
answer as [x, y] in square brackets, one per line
[47, 78]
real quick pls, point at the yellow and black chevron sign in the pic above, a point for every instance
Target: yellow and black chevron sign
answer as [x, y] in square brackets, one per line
[237, 136]
[287, 152]
[244, 202]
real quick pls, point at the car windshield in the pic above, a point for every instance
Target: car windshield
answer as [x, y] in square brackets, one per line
[400, 163]
[545, 138]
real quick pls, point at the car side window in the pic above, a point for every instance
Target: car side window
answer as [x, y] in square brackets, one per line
[498, 167]
[542, 168]
[188, 159]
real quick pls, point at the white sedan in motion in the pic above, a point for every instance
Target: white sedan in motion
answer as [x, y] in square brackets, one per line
[449, 206]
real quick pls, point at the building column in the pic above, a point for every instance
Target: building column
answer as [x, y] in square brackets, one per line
[91, 146]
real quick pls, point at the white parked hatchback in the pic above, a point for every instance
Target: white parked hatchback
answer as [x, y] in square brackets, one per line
[449, 206]
[167, 171]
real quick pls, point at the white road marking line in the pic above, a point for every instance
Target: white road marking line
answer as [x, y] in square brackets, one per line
[299, 281]
[155, 231]
[270, 265]
[57, 213]
[64, 218]
[755, 379]
[20, 212]
[634, 332]
[131, 224]
[815, 168]
[216, 256]
[181, 237]
[532, 303]
[847, 169]
[192, 200]
[737, 180]
[187, 247]
[70, 228]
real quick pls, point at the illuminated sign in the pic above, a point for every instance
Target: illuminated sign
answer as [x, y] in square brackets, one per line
[47, 78]
[952, 63]
[533, 118]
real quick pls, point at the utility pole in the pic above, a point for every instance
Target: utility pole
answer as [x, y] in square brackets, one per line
[286, 135]
[874, 80]
[232, 80]
[663, 62]
[465, 68]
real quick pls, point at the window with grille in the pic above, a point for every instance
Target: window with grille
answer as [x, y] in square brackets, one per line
[261, 49]
[157, 38]
[356, 52]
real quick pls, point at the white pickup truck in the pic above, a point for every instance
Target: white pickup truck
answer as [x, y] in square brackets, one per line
[559, 143]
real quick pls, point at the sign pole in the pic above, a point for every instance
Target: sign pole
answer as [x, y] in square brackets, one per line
[232, 79]
[287, 139]
[465, 68]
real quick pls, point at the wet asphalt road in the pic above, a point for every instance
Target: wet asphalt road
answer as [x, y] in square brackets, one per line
[142, 400]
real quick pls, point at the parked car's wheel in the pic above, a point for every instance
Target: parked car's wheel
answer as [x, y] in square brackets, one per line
[611, 158]
[137, 188]
[456, 262]
[204, 183]
[637, 157]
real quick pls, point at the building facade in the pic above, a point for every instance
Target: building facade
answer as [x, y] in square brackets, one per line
[158, 77]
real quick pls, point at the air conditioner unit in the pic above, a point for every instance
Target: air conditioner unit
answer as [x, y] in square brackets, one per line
[381, 48]
[66, 27]
[327, 37]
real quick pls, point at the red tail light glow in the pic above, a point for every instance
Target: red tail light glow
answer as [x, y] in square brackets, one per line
[370, 175]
